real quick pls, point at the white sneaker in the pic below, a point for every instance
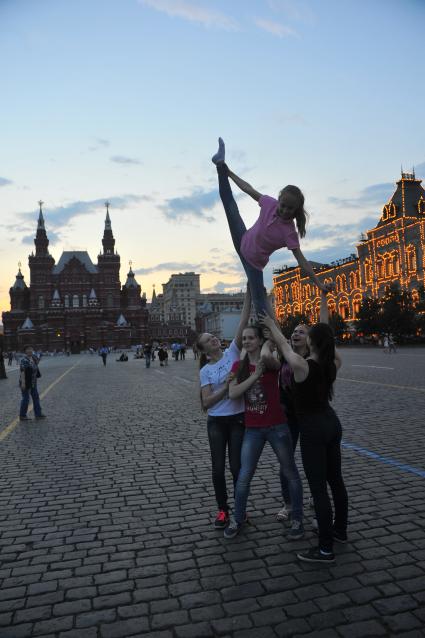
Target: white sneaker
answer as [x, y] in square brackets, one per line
[284, 513]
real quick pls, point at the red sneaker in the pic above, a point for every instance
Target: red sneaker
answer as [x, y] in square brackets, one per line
[221, 520]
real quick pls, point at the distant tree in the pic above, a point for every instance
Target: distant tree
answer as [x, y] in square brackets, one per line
[370, 317]
[337, 324]
[398, 312]
[291, 321]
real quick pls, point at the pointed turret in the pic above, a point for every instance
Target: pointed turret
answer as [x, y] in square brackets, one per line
[108, 241]
[41, 242]
[154, 298]
[19, 281]
[131, 281]
[408, 199]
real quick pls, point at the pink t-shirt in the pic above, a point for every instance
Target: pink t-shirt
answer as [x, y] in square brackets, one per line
[268, 234]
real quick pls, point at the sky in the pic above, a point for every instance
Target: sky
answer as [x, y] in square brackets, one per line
[123, 100]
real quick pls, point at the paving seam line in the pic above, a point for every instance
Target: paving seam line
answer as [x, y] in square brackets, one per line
[8, 429]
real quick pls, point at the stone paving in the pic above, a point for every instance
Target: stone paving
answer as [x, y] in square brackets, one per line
[106, 512]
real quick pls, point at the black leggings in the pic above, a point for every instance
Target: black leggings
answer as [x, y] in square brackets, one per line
[320, 441]
[225, 432]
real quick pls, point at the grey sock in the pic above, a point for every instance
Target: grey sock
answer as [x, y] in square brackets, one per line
[220, 155]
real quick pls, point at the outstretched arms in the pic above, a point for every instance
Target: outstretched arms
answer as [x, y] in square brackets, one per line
[246, 309]
[244, 186]
[308, 268]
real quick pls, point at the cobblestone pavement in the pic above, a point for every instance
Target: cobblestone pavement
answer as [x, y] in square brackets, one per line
[107, 507]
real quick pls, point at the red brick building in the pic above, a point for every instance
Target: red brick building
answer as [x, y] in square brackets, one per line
[392, 251]
[75, 304]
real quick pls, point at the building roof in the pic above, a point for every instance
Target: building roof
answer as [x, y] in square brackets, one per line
[27, 325]
[406, 200]
[131, 281]
[19, 282]
[82, 256]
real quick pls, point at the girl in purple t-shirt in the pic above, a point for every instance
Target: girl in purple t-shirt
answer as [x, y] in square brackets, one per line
[274, 229]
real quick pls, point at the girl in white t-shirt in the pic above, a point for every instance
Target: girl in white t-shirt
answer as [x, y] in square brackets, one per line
[225, 421]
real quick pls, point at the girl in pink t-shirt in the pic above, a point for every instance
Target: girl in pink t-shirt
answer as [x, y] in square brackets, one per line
[274, 229]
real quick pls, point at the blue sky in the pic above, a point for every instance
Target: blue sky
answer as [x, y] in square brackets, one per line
[124, 99]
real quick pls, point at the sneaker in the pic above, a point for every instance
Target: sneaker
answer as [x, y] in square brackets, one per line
[24, 418]
[315, 555]
[284, 513]
[232, 529]
[41, 416]
[340, 537]
[296, 531]
[221, 520]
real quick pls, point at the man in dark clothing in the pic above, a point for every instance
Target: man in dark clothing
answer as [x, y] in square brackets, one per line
[28, 376]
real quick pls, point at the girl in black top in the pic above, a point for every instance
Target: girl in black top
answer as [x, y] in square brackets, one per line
[320, 433]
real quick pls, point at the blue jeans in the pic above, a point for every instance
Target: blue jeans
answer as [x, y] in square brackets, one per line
[253, 444]
[26, 399]
[147, 360]
[238, 230]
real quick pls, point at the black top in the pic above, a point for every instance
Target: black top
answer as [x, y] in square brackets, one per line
[311, 395]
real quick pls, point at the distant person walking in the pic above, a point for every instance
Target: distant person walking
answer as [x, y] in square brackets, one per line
[391, 345]
[182, 352]
[10, 358]
[29, 373]
[147, 351]
[104, 353]
[162, 355]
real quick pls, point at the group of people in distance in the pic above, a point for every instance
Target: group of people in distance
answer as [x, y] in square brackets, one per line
[265, 388]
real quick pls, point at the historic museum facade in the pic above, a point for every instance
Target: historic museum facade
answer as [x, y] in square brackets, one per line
[75, 304]
[393, 251]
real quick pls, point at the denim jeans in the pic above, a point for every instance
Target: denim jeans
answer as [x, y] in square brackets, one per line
[147, 360]
[253, 444]
[26, 399]
[320, 442]
[295, 433]
[237, 230]
[225, 432]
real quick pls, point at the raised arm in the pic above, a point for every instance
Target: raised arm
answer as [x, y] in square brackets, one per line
[308, 268]
[324, 318]
[246, 310]
[244, 186]
[298, 364]
[268, 357]
[237, 390]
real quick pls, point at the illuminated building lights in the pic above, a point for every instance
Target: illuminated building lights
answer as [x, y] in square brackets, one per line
[392, 252]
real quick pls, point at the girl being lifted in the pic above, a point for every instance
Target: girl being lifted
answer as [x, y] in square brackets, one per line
[274, 229]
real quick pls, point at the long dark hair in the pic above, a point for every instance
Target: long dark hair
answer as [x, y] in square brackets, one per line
[322, 339]
[301, 214]
[203, 360]
[242, 372]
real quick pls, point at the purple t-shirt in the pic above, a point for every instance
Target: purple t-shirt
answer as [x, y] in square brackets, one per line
[268, 234]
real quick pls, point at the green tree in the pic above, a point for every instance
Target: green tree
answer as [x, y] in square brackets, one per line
[370, 317]
[337, 324]
[291, 321]
[398, 312]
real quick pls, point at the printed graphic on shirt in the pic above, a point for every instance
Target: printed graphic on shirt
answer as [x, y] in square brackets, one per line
[256, 399]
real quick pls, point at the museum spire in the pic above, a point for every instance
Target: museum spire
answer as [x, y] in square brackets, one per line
[41, 242]
[108, 241]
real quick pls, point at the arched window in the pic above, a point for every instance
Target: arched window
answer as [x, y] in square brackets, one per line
[75, 301]
[367, 271]
[344, 283]
[344, 309]
[380, 267]
[332, 306]
[84, 301]
[338, 284]
[278, 294]
[357, 302]
[395, 262]
[66, 301]
[353, 280]
[411, 258]
[388, 265]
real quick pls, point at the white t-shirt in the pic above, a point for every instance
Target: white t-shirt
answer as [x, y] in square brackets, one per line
[215, 374]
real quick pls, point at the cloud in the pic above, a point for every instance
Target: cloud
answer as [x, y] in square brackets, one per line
[275, 28]
[293, 9]
[192, 13]
[196, 205]
[100, 142]
[122, 159]
[222, 268]
[374, 195]
[57, 218]
[5, 182]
